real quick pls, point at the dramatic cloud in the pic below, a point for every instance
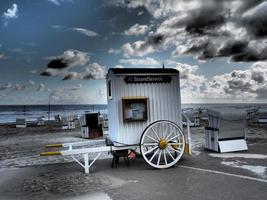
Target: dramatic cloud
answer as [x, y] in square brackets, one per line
[186, 71]
[69, 58]
[250, 83]
[205, 29]
[140, 62]
[94, 71]
[57, 63]
[192, 85]
[11, 13]
[59, 66]
[138, 48]
[86, 32]
[137, 30]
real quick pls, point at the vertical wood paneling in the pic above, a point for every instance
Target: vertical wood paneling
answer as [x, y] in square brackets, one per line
[164, 103]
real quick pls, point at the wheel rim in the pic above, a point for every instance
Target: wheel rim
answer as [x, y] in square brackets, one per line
[162, 144]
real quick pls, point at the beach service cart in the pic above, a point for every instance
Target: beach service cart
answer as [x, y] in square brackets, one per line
[144, 114]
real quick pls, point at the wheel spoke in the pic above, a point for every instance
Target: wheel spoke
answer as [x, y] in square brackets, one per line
[151, 144]
[155, 133]
[164, 155]
[159, 156]
[173, 138]
[151, 150]
[165, 132]
[169, 134]
[155, 153]
[175, 143]
[170, 154]
[152, 138]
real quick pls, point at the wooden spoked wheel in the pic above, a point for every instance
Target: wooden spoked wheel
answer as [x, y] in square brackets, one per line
[162, 144]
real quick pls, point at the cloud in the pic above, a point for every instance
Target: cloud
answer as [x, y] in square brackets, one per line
[236, 85]
[140, 62]
[57, 63]
[186, 70]
[192, 85]
[34, 71]
[11, 13]
[58, 2]
[118, 66]
[41, 87]
[138, 48]
[114, 51]
[18, 87]
[30, 86]
[69, 58]
[73, 95]
[56, 26]
[2, 56]
[94, 71]
[205, 29]
[86, 32]
[32, 83]
[136, 30]
[6, 86]
[16, 50]
[59, 66]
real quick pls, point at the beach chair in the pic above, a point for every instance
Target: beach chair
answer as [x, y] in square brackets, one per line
[21, 123]
[91, 126]
[226, 131]
[262, 116]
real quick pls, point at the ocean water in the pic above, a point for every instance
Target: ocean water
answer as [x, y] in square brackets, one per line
[9, 113]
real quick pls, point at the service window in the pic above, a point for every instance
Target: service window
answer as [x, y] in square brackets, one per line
[134, 109]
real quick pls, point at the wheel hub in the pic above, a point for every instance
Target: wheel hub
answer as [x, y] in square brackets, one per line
[163, 144]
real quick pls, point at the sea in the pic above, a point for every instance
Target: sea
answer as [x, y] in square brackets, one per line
[9, 113]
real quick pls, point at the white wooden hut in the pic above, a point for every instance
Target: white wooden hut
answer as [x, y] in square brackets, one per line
[138, 97]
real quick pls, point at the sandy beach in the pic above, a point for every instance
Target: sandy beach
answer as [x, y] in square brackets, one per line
[26, 175]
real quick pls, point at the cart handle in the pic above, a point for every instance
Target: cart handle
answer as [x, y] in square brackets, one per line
[50, 153]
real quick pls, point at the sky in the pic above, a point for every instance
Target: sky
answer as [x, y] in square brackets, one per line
[62, 49]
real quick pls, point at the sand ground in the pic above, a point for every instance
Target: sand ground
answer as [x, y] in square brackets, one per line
[203, 175]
